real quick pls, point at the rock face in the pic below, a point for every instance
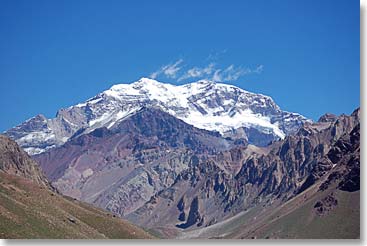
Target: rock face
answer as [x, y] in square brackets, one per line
[160, 172]
[123, 167]
[239, 179]
[328, 118]
[32, 209]
[233, 112]
[194, 216]
[13, 160]
[325, 205]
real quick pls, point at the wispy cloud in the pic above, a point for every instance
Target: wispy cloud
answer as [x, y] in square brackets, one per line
[210, 72]
[170, 70]
[197, 72]
[232, 73]
[214, 56]
[217, 76]
[259, 69]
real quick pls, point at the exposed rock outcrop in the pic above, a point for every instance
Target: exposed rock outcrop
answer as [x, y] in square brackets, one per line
[14, 160]
[234, 112]
[238, 179]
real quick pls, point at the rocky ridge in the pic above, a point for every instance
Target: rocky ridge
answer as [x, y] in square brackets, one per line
[123, 167]
[144, 169]
[30, 208]
[326, 151]
[232, 111]
[15, 161]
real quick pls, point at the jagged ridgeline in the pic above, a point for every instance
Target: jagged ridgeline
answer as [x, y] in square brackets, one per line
[203, 160]
[230, 110]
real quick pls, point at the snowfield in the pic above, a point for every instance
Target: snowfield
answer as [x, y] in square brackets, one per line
[203, 104]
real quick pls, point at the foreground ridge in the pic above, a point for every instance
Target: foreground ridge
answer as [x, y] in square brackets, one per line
[31, 209]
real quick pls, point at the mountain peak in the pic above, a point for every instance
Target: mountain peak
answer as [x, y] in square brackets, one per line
[204, 104]
[133, 88]
[146, 80]
[205, 82]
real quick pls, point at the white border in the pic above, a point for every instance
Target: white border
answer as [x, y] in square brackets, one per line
[363, 94]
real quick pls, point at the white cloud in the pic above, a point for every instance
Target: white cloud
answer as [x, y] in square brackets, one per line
[197, 72]
[217, 76]
[209, 72]
[232, 73]
[155, 74]
[170, 70]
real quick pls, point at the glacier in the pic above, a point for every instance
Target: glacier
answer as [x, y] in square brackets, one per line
[204, 104]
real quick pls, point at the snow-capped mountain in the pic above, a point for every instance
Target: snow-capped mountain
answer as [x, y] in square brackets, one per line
[204, 104]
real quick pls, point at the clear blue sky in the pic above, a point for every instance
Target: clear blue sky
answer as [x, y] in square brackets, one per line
[54, 54]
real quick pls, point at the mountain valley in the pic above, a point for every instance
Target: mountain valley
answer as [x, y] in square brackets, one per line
[201, 160]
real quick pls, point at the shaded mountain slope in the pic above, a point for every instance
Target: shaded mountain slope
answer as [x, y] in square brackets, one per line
[147, 129]
[145, 171]
[14, 160]
[210, 192]
[298, 218]
[30, 208]
[121, 168]
[329, 208]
